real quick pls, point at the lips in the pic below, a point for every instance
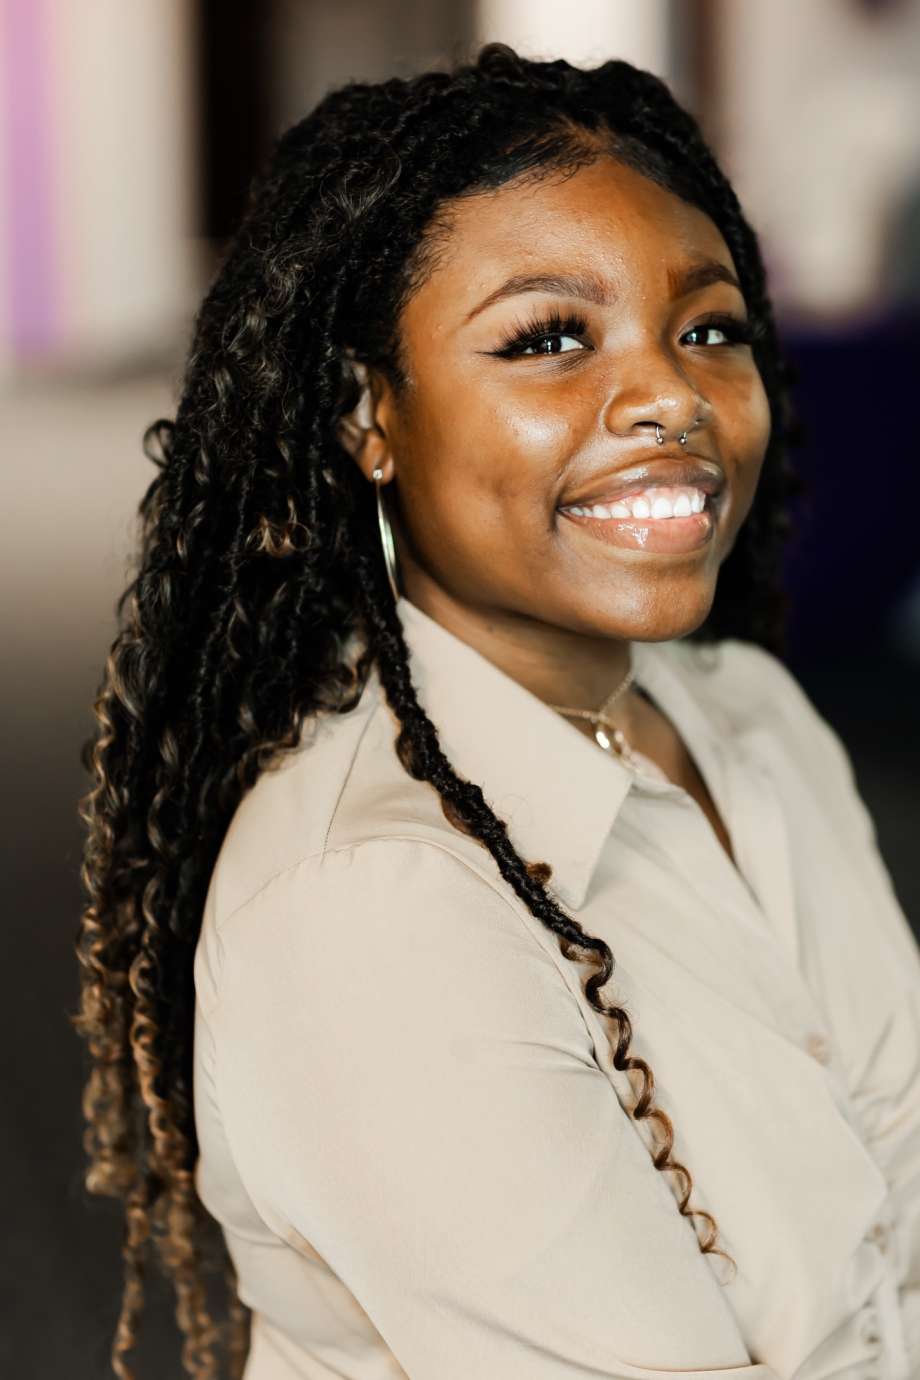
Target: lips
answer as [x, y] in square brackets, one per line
[684, 470]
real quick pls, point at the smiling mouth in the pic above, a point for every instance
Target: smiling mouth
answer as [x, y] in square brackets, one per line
[660, 502]
[660, 519]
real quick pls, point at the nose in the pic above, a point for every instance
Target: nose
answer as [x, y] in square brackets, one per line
[654, 394]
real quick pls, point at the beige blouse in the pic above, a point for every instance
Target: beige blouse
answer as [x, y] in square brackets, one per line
[410, 1125]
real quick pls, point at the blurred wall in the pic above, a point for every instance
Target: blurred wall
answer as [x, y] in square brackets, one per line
[818, 113]
[320, 45]
[96, 179]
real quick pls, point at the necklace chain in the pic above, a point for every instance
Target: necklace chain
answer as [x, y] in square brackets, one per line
[615, 739]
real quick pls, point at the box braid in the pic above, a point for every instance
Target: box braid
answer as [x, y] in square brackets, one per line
[260, 599]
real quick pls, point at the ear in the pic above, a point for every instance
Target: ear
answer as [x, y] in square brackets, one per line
[363, 431]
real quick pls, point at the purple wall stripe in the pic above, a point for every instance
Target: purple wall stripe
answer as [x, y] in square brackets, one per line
[31, 261]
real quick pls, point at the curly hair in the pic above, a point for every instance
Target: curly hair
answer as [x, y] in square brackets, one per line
[259, 566]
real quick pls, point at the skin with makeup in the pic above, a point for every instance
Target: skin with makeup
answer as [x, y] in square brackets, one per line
[563, 320]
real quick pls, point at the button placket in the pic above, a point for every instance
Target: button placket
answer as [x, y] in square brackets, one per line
[890, 1325]
[870, 1333]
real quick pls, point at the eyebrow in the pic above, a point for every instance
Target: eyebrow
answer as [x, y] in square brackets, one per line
[590, 288]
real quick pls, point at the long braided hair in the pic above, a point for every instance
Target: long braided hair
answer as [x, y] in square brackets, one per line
[259, 567]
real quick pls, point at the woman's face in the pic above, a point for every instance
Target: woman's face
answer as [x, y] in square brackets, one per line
[497, 439]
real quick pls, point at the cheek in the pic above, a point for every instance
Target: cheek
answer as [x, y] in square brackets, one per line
[478, 479]
[747, 433]
[493, 449]
[535, 429]
[751, 419]
[524, 450]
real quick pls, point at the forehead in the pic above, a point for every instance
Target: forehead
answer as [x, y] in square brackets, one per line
[605, 217]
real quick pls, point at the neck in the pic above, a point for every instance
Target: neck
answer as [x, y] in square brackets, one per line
[557, 665]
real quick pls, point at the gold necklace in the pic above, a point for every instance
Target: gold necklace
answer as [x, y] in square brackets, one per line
[606, 733]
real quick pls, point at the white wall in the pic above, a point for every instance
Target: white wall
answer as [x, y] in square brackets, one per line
[585, 32]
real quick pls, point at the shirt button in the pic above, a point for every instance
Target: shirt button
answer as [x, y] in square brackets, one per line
[869, 1331]
[878, 1234]
[818, 1047]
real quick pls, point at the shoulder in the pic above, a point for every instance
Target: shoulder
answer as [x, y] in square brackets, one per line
[380, 941]
[338, 839]
[762, 704]
[758, 700]
[342, 785]
[756, 691]
[392, 890]
[747, 678]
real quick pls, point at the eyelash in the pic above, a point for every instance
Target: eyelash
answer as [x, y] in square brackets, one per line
[540, 328]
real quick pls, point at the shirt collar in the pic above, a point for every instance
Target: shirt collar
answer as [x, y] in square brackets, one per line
[557, 792]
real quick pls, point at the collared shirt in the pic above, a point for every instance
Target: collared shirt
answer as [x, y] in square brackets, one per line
[411, 1127]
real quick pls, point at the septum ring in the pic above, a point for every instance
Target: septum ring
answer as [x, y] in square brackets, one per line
[682, 438]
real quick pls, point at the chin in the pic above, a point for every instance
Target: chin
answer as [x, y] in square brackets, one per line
[660, 620]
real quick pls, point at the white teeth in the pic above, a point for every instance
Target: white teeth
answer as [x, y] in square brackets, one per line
[677, 502]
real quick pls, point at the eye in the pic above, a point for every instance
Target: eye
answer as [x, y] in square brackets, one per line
[546, 345]
[733, 329]
[544, 335]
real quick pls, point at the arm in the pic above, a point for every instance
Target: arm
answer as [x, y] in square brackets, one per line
[885, 1077]
[815, 744]
[408, 1083]
[888, 1092]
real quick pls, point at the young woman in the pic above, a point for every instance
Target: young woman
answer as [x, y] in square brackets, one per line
[488, 961]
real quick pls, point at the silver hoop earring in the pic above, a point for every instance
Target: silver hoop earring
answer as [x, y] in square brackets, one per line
[682, 438]
[386, 535]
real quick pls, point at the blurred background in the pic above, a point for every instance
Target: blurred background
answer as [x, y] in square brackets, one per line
[128, 133]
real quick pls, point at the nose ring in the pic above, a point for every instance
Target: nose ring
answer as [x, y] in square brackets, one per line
[682, 438]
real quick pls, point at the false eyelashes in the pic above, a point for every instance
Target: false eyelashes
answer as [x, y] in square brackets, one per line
[538, 328]
[547, 326]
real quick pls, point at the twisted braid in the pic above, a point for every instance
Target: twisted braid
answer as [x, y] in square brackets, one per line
[258, 564]
[465, 807]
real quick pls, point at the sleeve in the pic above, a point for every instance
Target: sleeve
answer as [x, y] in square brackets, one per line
[887, 1094]
[408, 1083]
[815, 743]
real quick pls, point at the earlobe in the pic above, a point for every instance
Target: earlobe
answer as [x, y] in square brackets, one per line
[375, 456]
